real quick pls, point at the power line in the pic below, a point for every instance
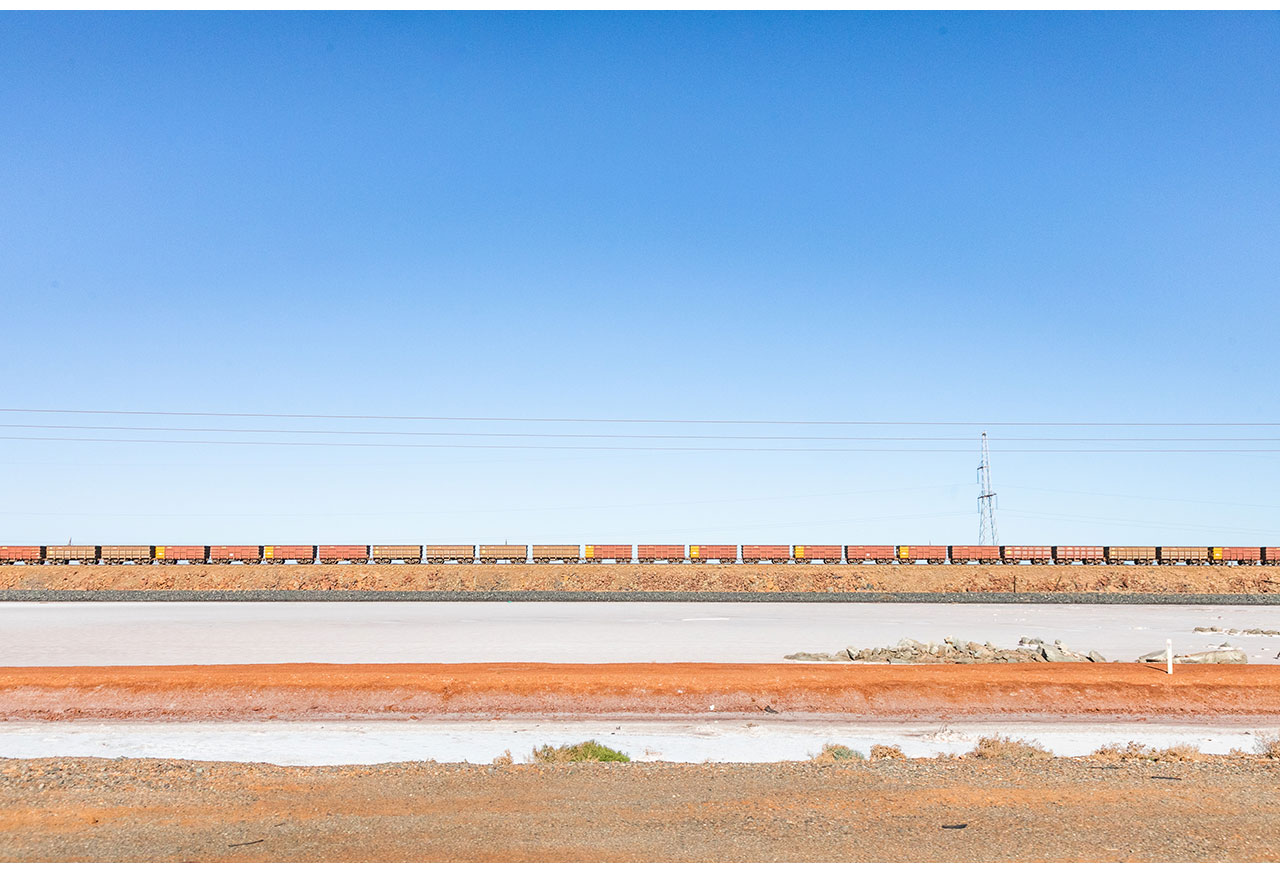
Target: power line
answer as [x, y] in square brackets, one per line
[638, 436]
[804, 422]
[543, 446]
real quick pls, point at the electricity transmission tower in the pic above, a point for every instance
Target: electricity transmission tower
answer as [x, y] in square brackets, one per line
[987, 534]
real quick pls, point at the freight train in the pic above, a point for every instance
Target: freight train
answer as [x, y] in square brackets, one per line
[644, 554]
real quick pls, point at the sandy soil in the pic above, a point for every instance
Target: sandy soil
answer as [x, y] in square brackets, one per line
[326, 691]
[635, 577]
[83, 809]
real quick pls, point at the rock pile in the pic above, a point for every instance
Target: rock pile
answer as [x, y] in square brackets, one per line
[1224, 655]
[953, 651]
[1248, 632]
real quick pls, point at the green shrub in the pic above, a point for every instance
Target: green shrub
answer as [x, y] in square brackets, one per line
[588, 751]
[832, 752]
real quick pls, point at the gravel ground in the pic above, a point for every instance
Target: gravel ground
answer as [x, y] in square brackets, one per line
[86, 809]
[683, 581]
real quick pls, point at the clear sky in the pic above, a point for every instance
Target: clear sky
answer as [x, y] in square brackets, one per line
[940, 217]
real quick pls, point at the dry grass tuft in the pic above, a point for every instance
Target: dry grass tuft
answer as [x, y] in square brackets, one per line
[1269, 747]
[587, 751]
[1006, 749]
[832, 753]
[1115, 753]
[505, 759]
[887, 753]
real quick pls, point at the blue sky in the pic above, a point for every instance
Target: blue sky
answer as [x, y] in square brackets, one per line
[876, 217]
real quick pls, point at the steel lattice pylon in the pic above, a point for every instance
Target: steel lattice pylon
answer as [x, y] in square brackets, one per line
[987, 533]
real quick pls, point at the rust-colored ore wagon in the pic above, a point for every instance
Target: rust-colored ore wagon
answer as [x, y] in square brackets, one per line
[723, 554]
[760, 554]
[1235, 555]
[24, 554]
[494, 554]
[863, 554]
[820, 554]
[974, 554]
[67, 554]
[387, 554]
[1083, 554]
[280, 554]
[648, 554]
[1271, 554]
[336, 554]
[124, 553]
[1029, 554]
[928, 554]
[1136, 554]
[440, 554]
[594, 554]
[229, 554]
[547, 554]
[1184, 554]
[174, 554]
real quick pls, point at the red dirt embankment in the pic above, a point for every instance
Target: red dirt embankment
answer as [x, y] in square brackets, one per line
[325, 691]
[638, 577]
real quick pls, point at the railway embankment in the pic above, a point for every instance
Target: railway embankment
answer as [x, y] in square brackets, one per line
[767, 580]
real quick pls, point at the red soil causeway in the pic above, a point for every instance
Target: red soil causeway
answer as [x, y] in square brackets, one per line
[326, 691]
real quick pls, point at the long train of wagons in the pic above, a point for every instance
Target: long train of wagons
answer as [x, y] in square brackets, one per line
[644, 554]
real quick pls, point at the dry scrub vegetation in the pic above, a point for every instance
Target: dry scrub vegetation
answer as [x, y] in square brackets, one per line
[1003, 748]
[572, 754]
[833, 752]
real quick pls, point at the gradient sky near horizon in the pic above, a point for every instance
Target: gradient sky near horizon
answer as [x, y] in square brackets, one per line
[933, 217]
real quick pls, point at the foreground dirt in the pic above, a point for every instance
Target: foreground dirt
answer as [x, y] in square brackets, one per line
[84, 809]
[326, 691]
[636, 577]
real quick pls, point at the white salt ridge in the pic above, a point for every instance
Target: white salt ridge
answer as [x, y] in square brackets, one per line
[105, 634]
[727, 740]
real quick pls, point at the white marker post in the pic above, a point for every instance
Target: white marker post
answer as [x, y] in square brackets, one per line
[1168, 654]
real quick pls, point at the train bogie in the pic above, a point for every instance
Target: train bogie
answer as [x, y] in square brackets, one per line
[971, 554]
[1030, 554]
[335, 554]
[928, 554]
[547, 554]
[21, 554]
[863, 554]
[649, 554]
[387, 554]
[594, 554]
[512, 554]
[820, 554]
[723, 554]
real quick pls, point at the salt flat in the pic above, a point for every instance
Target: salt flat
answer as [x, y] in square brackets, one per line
[101, 634]
[677, 740]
